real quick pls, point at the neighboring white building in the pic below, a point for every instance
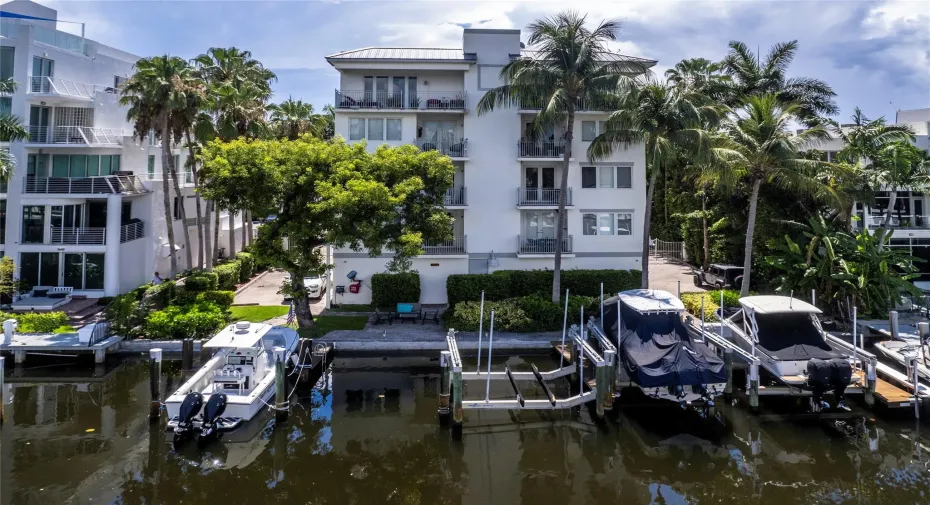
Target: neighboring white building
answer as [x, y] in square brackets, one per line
[84, 208]
[506, 184]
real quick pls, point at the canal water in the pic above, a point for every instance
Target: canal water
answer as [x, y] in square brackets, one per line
[368, 434]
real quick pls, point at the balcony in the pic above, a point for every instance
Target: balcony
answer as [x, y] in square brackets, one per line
[131, 231]
[541, 246]
[458, 149]
[902, 222]
[47, 136]
[77, 236]
[105, 185]
[542, 197]
[453, 247]
[541, 150]
[456, 197]
[51, 86]
[582, 105]
[438, 101]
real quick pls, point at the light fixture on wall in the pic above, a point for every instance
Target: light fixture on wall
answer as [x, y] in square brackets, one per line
[493, 262]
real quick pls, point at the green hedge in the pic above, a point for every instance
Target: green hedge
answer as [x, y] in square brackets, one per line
[199, 320]
[161, 295]
[223, 299]
[199, 282]
[504, 284]
[387, 290]
[246, 265]
[126, 315]
[38, 322]
[227, 275]
[522, 314]
[692, 302]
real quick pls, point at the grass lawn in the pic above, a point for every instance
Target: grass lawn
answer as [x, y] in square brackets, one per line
[326, 324]
[351, 307]
[257, 313]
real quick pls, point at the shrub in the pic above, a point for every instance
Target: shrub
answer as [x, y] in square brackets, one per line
[588, 282]
[227, 275]
[126, 314]
[504, 284]
[222, 299]
[508, 316]
[387, 290]
[246, 265]
[194, 321]
[521, 314]
[160, 296]
[468, 287]
[38, 322]
[199, 282]
[692, 302]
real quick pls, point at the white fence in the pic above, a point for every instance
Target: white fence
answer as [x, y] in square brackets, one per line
[668, 250]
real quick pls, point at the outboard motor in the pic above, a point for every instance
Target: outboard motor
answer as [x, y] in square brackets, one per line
[190, 407]
[840, 378]
[819, 378]
[213, 410]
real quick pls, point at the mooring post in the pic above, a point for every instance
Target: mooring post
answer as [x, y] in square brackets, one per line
[2, 389]
[610, 357]
[753, 385]
[487, 389]
[600, 388]
[915, 373]
[814, 297]
[728, 363]
[679, 290]
[445, 381]
[565, 329]
[281, 406]
[871, 380]
[187, 354]
[458, 414]
[893, 322]
[480, 330]
[155, 384]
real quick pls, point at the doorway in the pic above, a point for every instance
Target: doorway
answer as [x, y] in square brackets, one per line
[42, 70]
[540, 184]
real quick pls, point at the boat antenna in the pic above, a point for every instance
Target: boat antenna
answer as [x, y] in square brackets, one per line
[791, 300]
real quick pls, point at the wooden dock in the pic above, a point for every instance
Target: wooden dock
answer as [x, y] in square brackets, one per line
[62, 344]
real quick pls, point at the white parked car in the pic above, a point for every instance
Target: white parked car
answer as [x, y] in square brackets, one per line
[316, 285]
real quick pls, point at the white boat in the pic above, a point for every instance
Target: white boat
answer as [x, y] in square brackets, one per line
[237, 382]
[902, 352]
[786, 335]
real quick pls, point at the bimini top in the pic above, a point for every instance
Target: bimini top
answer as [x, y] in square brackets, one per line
[777, 305]
[238, 335]
[645, 301]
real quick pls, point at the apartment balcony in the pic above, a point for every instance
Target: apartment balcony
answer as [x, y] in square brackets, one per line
[582, 105]
[43, 87]
[131, 231]
[454, 150]
[536, 150]
[527, 246]
[77, 236]
[72, 136]
[900, 222]
[542, 198]
[49, 36]
[98, 185]
[431, 101]
[456, 197]
[453, 247]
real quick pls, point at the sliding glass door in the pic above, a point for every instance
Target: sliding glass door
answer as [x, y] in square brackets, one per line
[82, 271]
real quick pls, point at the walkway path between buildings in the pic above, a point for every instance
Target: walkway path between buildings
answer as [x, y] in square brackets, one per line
[665, 275]
[264, 291]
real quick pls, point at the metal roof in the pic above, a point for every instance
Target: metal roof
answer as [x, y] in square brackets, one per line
[529, 53]
[645, 301]
[768, 304]
[403, 53]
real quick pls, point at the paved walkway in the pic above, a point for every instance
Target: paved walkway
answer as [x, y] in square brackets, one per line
[665, 275]
[265, 292]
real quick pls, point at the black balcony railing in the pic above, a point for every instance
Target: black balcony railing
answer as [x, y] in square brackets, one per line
[456, 149]
[536, 149]
[541, 197]
[527, 245]
[445, 247]
[432, 100]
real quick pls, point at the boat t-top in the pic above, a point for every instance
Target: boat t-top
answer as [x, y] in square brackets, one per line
[657, 353]
[792, 347]
[237, 382]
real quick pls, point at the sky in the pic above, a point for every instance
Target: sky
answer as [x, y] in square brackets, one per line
[875, 54]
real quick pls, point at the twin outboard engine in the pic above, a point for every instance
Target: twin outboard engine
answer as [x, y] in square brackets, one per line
[822, 375]
[211, 413]
[190, 407]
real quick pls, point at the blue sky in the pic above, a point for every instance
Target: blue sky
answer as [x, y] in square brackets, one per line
[873, 53]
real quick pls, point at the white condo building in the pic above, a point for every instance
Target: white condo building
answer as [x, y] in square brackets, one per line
[506, 185]
[84, 208]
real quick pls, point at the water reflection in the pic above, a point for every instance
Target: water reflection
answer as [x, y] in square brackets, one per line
[368, 434]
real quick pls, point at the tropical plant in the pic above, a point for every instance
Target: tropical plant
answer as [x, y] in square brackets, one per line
[758, 146]
[11, 130]
[569, 64]
[753, 76]
[700, 75]
[154, 95]
[292, 118]
[667, 119]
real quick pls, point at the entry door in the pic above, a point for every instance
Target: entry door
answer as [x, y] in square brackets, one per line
[42, 67]
[539, 183]
[39, 118]
[540, 224]
[439, 133]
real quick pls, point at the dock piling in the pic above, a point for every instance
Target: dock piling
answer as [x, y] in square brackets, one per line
[281, 407]
[610, 356]
[487, 389]
[753, 385]
[2, 388]
[728, 363]
[187, 354]
[480, 331]
[155, 384]
[915, 373]
[458, 414]
[871, 382]
[893, 321]
[445, 381]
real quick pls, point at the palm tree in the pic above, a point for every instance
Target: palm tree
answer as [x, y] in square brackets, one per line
[898, 165]
[11, 130]
[758, 145]
[292, 118]
[570, 64]
[153, 96]
[753, 76]
[701, 76]
[666, 119]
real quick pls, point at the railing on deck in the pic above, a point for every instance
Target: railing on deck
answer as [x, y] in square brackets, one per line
[526, 245]
[446, 247]
[104, 184]
[536, 149]
[457, 149]
[101, 332]
[456, 196]
[581, 105]
[77, 236]
[541, 197]
[897, 221]
[131, 231]
[75, 135]
[431, 100]
[44, 85]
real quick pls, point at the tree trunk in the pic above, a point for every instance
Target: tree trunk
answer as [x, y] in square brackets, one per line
[301, 301]
[750, 229]
[201, 246]
[250, 230]
[216, 234]
[166, 191]
[232, 235]
[208, 237]
[886, 223]
[706, 232]
[563, 195]
[186, 231]
[647, 216]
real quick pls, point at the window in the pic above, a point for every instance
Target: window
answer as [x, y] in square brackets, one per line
[375, 129]
[607, 177]
[177, 209]
[356, 128]
[831, 156]
[33, 224]
[2, 221]
[37, 166]
[607, 223]
[6, 105]
[118, 81]
[73, 165]
[151, 167]
[393, 129]
[591, 129]
[6, 61]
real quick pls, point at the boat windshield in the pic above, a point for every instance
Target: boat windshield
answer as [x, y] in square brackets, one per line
[780, 331]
